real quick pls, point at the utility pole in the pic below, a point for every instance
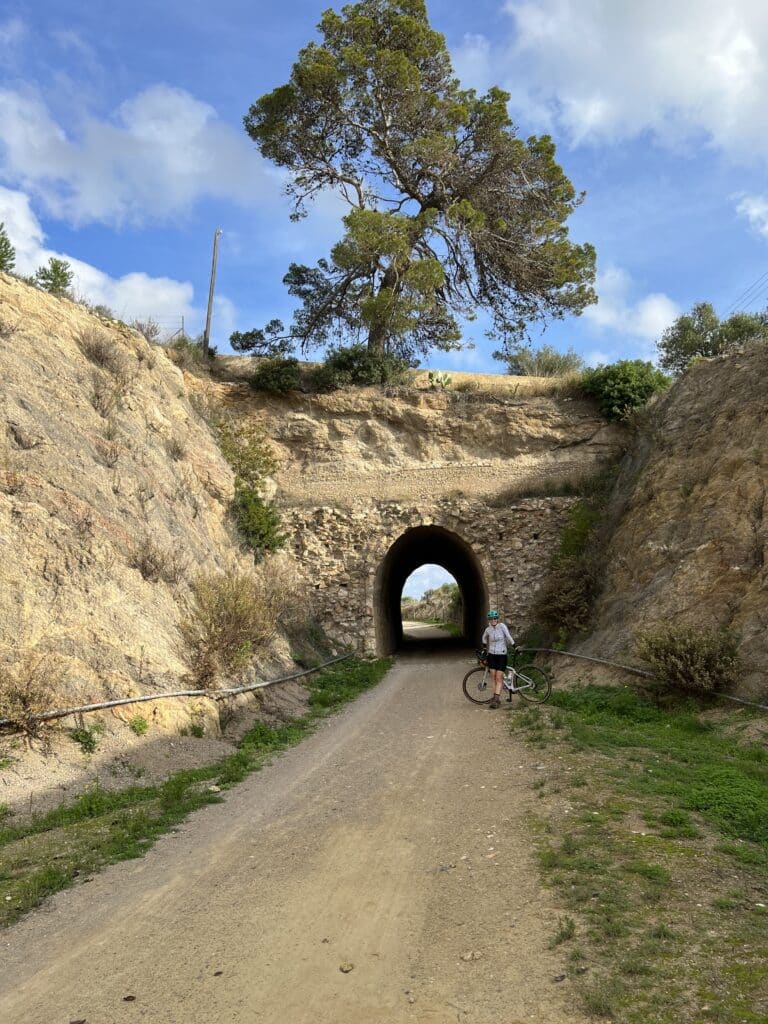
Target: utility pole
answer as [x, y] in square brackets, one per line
[207, 335]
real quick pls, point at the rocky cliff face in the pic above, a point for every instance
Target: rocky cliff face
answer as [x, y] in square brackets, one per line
[414, 443]
[692, 542]
[112, 494]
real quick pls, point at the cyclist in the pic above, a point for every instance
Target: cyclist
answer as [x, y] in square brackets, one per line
[496, 638]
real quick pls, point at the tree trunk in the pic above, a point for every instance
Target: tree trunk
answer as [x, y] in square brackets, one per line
[378, 335]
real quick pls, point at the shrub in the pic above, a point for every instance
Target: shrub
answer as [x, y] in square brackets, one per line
[30, 687]
[257, 520]
[277, 375]
[357, 365]
[231, 617]
[138, 725]
[438, 380]
[247, 450]
[7, 251]
[524, 361]
[189, 353]
[690, 659]
[622, 387]
[149, 328]
[101, 350]
[56, 278]
[701, 334]
[156, 563]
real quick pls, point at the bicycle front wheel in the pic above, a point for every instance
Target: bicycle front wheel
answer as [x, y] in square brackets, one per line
[533, 684]
[477, 685]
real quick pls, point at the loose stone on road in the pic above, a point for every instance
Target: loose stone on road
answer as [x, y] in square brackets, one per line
[381, 872]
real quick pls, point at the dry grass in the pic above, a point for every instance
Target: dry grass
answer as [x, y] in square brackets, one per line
[30, 686]
[157, 564]
[232, 616]
[98, 347]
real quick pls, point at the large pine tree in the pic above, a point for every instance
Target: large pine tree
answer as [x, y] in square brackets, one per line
[449, 210]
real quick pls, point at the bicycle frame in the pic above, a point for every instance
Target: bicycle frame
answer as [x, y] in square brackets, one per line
[508, 679]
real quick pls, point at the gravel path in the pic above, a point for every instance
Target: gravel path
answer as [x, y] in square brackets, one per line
[380, 872]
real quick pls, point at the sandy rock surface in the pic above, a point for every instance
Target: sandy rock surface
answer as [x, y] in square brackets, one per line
[692, 544]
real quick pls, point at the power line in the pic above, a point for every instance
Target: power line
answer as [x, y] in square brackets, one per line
[758, 284]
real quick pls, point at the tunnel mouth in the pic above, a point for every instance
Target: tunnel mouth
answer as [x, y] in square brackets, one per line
[423, 545]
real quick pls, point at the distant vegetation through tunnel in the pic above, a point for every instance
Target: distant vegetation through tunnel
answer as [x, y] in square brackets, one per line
[420, 546]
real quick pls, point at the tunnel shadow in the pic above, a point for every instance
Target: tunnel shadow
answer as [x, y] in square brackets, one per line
[416, 547]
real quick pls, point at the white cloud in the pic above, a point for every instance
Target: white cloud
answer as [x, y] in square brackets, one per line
[643, 320]
[755, 210]
[162, 151]
[605, 71]
[132, 296]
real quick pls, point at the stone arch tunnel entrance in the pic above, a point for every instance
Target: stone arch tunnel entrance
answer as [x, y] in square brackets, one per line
[419, 546]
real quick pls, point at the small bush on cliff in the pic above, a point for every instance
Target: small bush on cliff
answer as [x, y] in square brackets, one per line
[231, 617]
[622, 387]
[7, 252]
[247, 450]
[357, 365]
[546, 361]
[257, 520]
[30, 686]
[690, 659]
[277, 376]
[55, 278]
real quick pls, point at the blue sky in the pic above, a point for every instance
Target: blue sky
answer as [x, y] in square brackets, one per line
[122, 149]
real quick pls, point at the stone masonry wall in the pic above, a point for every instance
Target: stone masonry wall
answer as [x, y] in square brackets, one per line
[342, 548]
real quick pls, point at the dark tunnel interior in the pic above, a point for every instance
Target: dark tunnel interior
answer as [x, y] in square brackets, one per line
[416, 547]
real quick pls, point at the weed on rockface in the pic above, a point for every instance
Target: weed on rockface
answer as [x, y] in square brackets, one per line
[660, 860]
[102, 827]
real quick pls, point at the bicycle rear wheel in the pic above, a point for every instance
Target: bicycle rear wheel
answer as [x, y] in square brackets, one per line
[477, 685]
[533, 684]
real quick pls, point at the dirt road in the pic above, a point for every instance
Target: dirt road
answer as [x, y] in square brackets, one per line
[380, 873]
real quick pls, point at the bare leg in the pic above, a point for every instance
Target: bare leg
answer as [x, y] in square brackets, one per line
[497, 682]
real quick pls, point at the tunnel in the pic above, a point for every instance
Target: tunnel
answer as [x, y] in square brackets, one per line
[420, 546]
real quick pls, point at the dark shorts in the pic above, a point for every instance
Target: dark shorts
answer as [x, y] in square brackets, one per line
[497, 661]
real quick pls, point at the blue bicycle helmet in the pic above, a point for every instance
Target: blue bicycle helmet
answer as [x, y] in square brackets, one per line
[493, 614]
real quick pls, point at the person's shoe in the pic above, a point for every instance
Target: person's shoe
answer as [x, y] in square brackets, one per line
[495, 702]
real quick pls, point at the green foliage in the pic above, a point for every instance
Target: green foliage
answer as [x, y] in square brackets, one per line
[701, 334]
[545, 361]
[358, 365]
[7, 251]
[232, 616]
[438, 380]
[56, 278]
[444, 216]
[277, 375]
[138, 725]
[265, 343]
[197, 729]
[88, 737]
[257, 520]
[690, 659]
[247, 450]
[189, 353]
[622, 387]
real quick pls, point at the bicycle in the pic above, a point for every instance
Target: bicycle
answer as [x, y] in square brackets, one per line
[532, 683]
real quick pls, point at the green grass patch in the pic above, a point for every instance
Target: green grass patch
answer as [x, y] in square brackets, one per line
[70, 843]
[661, 859]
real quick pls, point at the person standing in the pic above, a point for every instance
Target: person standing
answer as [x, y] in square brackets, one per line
[497, 639]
